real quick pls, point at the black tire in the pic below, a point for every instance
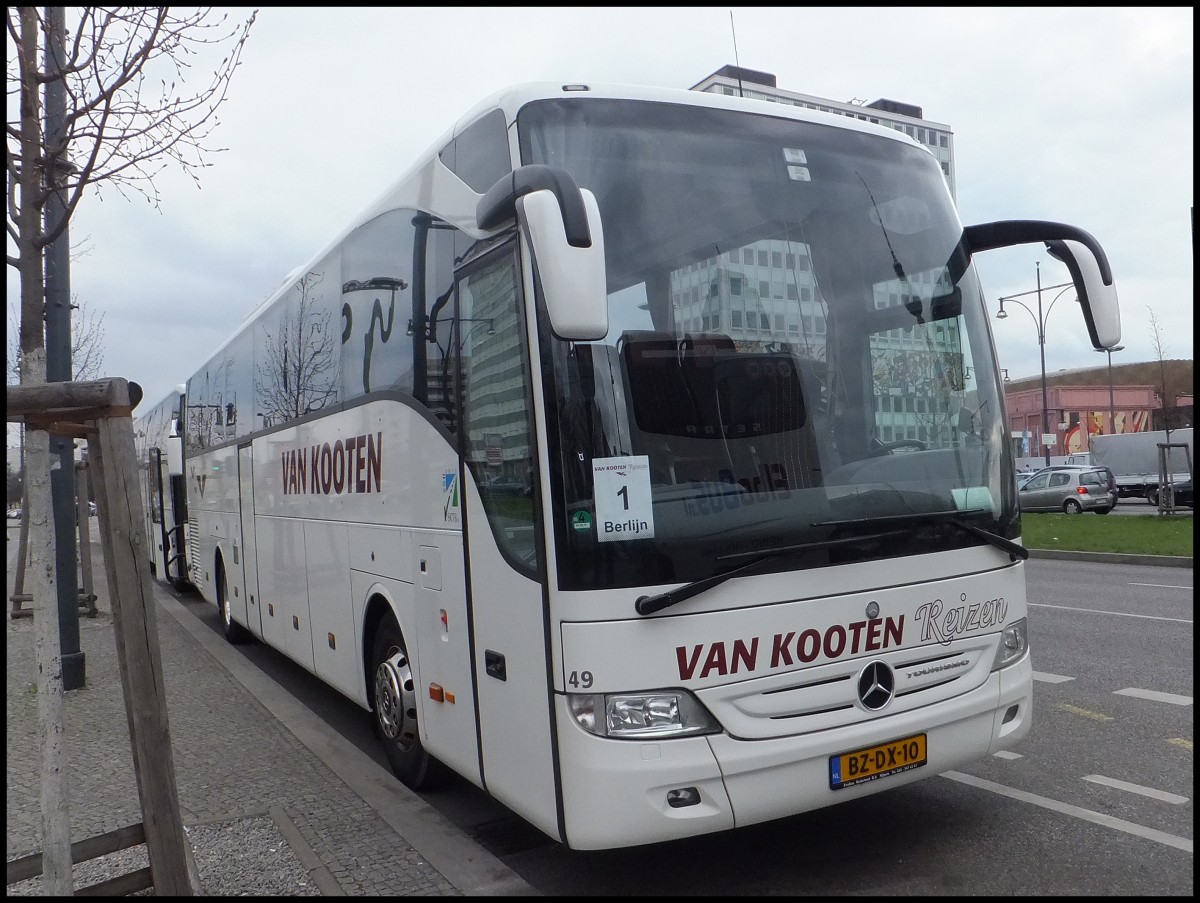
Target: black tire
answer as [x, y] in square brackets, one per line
[395, 710]
[1152, 496]
[1072, 506]
[234, 632]
[1103, 510]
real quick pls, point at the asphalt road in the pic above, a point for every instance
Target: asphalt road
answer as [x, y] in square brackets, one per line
[1141, 506]
[1097, 801]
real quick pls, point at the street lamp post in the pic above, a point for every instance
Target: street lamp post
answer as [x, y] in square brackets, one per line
[1112, 408]
[1039, 320]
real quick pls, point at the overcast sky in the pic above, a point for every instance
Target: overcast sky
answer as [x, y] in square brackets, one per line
[1080, 115]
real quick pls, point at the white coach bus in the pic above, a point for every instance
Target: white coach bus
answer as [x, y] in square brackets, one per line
[641, 457]
[159, 449]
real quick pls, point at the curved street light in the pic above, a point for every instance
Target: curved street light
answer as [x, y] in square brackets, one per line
[1039, 320]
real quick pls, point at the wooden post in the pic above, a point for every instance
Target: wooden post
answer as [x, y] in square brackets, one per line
[55, 808]
[134, 616]
[100, 411]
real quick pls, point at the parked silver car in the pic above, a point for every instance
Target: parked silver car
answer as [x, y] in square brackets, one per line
[1069, 489]
[1109, 475]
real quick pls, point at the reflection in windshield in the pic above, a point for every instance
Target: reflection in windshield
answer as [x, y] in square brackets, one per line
[796, 339]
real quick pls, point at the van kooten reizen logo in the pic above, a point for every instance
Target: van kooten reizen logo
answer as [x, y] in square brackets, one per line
[450, 497]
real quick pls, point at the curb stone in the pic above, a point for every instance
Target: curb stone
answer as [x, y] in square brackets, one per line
[1173, 561]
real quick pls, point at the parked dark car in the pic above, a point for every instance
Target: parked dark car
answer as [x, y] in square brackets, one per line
[1182, 494]
[1069, 489]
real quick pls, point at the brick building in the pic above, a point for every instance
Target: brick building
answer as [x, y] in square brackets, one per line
[1151, 395]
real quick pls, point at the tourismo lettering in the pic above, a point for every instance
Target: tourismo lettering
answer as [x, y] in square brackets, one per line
[793, 647]
[348, 466]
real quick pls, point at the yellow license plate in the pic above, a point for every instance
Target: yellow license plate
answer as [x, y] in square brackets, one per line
[876, 762]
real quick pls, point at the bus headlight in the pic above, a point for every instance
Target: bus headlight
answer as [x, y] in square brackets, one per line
[632, 716]
[1014, 643]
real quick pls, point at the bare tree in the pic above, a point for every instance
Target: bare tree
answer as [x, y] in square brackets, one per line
[87, 355]
[87, 342]
[117, 82]
[130, 113]
[1160, 354]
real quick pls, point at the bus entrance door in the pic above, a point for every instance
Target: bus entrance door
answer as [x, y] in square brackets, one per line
[160, 549]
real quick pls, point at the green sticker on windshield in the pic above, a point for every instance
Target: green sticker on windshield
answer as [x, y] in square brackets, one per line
[973, 498]
[581, 521]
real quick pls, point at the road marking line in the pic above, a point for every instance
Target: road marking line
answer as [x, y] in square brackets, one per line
[1083, 713]
[1181, 742]
[1162, 585]
[1119, 614]
[1006, 754]
[1160, 795]
[1050, 678]
[1154, 696]
[1098, 818]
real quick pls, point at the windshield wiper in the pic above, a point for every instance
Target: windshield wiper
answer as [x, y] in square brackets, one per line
[1016, 550]
[648, 605]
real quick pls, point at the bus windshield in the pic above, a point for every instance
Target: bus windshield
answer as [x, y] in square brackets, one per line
[798, 358]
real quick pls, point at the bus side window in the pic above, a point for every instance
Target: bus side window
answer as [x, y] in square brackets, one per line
[497, 433]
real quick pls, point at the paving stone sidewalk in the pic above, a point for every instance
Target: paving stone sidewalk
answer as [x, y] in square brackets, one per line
[264, 814]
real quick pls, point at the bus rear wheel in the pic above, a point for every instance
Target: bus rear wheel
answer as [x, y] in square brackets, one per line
[234, 632]
[395, 720]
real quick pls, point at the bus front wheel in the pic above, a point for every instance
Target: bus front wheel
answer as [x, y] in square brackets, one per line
[395, 718]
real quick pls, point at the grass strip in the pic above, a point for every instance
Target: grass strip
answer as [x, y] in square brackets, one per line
[1136, 534]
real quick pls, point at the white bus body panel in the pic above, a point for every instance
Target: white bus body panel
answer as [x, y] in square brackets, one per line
[327, 562]
[213, 502]
[283, 588]
[250, 610]
[325, 548]
[783, 718]
[514, 712]
[366, 510]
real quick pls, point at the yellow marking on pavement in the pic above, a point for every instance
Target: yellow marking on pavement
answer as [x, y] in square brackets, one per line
[1181, 743]
[1083, 713]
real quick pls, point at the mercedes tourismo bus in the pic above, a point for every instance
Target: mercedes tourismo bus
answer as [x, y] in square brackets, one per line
[641, 457]
[156, 440]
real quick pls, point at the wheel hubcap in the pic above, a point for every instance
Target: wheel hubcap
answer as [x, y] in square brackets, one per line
[223, 598]
[395, 702]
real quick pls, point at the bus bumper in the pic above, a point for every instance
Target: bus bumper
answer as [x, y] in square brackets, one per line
[615, 792]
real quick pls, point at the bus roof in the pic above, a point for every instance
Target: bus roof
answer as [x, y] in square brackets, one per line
[427, 176]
